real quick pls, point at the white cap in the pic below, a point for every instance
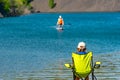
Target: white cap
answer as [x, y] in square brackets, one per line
[81, 44]
[60, 16]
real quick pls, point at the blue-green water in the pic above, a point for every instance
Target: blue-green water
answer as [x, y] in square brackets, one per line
[31, 44]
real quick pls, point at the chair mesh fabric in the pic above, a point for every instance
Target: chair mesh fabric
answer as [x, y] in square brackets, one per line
[82, 64]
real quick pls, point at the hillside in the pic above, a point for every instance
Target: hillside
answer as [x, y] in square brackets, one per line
[77, 5]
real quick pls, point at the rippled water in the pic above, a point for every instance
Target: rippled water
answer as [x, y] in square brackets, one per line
[32, 49]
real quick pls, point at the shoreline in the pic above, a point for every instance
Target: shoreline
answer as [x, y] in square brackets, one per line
[68, 12]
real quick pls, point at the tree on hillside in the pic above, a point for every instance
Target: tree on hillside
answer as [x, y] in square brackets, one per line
[4, 7]
[28, 1]
[52, 4]
[13, 7]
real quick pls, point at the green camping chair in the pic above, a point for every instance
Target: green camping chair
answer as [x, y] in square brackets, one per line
[82, 65]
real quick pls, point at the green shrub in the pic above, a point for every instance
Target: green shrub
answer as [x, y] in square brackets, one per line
[13, 7]
[4, 7]
[51, 4]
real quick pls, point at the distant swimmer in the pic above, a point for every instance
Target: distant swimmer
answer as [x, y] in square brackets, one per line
[60, 22]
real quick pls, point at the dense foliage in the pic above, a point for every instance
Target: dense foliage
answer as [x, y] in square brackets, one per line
[13, 7]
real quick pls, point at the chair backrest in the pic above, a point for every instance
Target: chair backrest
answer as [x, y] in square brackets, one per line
[82, 64]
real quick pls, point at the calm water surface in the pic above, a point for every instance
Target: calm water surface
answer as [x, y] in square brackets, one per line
[32, 49]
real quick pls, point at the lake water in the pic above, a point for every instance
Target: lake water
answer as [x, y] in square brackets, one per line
[32, 49]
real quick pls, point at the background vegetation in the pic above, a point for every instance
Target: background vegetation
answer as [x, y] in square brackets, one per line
[14, 7]
[52, 4]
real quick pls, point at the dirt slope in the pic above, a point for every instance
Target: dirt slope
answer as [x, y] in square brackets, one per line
[77, 5]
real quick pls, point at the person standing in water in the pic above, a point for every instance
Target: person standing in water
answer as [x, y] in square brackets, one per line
[60, 21]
